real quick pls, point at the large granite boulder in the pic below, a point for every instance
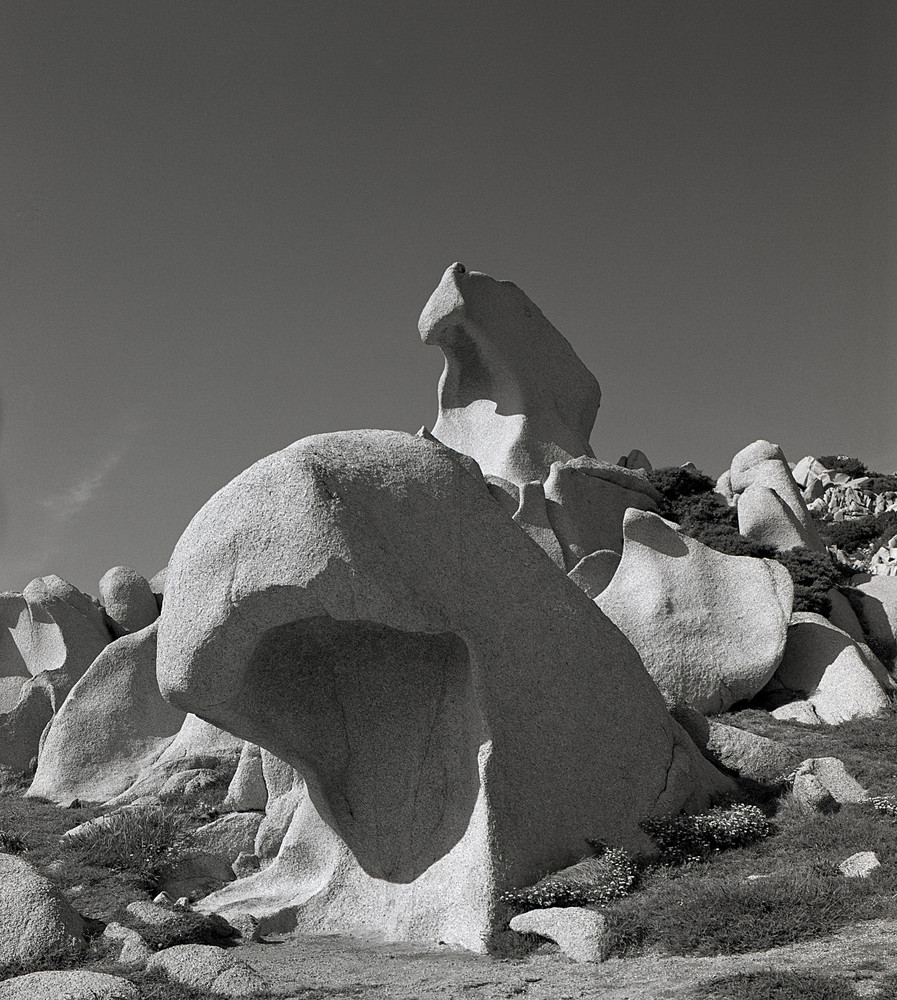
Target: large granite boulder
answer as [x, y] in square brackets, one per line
[129, 600]
[825, 676]
[771, 509]
[874, 598]
[513, 394]
[463, 715]
[37, 923]
[68, 984]
[49, 636]
[111, 727]
[709, 627]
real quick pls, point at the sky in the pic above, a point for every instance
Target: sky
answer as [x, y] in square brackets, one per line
[220, 222]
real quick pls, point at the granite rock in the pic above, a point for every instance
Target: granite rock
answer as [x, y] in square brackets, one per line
[710, 627]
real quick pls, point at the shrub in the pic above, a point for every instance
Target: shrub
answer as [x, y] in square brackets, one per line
[673, 483]
[590, 882]
[12, 843]
[853, 467]
[138, 842]
[690, 838]
[813, 575]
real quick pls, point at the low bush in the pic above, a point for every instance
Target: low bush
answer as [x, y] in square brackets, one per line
[852, 467]
[12, 843]
[140, 843]
[682, 839]
[590, 882]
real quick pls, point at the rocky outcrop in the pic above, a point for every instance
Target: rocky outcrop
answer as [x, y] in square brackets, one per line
[111, 727]
[37, 923]
[68, 984]
[52, 634]
[709, 627]
[360, 606]
[825, 676]
[129, 602]
[771, 509]
[874, 598]
[513, 394]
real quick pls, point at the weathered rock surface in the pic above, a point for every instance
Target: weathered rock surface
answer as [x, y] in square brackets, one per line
[834, 777]
[229, 835]
[830, 677]
[738, 751]
[771, 509]
[198, 763]
[579, 932]
[68, 984]
[247, 791]
[874, 598]
[205, 967]
[359, 605]
[36, 921]
[710, 628]
[636, 459]
[128, 599]
[513, 394]
[860, 865]
[111, 727]
[126, 945]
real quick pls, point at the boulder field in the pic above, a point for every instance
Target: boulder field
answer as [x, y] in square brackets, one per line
[411, 672]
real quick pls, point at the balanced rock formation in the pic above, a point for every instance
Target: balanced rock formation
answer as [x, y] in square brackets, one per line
[463, 715]
[49, 636]
[771, 509]
[513, 395]
[113, 724]
[825, 676]
[709, 627]
[128, 599]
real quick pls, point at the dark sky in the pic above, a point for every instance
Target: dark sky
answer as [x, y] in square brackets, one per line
[221, 221]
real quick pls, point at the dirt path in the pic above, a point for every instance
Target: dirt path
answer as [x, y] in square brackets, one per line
[314, 968]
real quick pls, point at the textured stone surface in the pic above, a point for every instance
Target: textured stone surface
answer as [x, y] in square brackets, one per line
[247, 791]
[771, 509]
[832, 678]
[359, 605]
[128, 599]
[70, 984]
[580, 933]
[860, 865]
[127, 946]
[709, 627]
[229, 835]
[811, 793]
[36, 920]
[843, 616]
[198, 763]
[205, 967]
[834, 776]
[49, 635]
[736, 750]
[111, 727]
[513, 394]
[586, 501]
[636, 459]
[874, 598]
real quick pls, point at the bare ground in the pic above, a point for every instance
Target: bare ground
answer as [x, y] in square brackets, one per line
[312, 968]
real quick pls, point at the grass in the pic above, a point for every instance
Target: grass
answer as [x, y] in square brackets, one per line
[784, 985]
[711, 907]
[140, 844]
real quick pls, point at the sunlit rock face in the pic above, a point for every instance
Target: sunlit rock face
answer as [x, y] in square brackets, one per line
[462, 714]
[513, 394]
[710, 627]
[771, 508]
